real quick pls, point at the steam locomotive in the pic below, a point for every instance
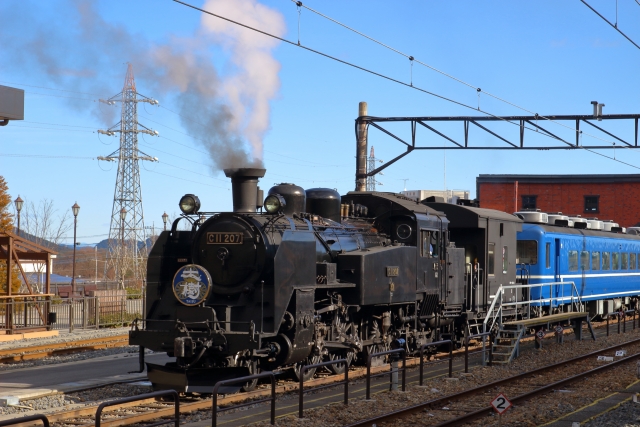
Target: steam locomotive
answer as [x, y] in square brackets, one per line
[309, 276]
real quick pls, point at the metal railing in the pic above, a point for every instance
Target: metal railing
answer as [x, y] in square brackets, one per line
[431, 344]
[215, 410]
[19, 314]
[301, 390]
[466, 349]
[571, 297]
[96, 312]
[28, 419]
[176, 403]
[383, 353]
[622, 314]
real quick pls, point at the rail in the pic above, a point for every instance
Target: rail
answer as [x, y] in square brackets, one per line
[176, 403]
[494, 315]
[301, 390]
[28, 419]
[382, 353]
[216, 388]
[431, 344]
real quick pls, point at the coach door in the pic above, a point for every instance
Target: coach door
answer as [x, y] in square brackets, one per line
[556, 261]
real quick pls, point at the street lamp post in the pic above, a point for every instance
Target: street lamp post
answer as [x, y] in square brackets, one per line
[76, 209]
[18, 203]
[123, 216]
[165, 217]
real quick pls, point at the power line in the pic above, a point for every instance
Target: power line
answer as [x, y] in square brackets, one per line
[49, 88]
[477, 89]
[408, 85]
[615, 27]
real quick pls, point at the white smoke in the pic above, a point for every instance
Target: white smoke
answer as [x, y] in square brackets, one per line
[252, 88]
[76, 48]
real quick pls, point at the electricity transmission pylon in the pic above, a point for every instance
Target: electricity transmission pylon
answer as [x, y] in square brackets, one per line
[371, 165]
[127, 236]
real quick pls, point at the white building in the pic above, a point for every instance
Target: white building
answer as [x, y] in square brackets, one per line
[449, 196]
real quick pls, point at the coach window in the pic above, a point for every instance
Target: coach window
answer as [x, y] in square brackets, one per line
[491, 258]
[606, 261]
[527, 252]
[591, 204]
[615, 260]
[595, 260]
[573, 260]
[548, 255]
[632, 261]
[625, 261]
[584, 260]
[529, 202]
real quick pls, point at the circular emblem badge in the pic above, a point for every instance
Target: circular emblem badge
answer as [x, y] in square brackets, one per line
[191, 284]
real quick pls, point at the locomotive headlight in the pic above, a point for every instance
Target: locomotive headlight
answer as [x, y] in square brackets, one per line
[189, 204]
[274, 203]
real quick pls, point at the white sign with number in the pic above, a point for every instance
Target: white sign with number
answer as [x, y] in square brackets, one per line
[500, 403]
[620, 353]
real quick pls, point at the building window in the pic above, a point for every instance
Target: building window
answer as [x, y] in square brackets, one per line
[529, 202]
[591, 203]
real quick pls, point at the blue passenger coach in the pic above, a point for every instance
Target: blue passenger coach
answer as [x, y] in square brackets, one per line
[604, 265]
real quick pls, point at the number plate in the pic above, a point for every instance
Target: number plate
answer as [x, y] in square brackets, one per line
[218, 238]
[393, 271]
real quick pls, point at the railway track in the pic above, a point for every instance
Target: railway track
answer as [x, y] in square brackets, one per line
[471, 404]
[48, 350]
[152, 409]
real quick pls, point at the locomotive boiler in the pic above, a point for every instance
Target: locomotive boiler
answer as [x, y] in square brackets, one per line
[302, 277]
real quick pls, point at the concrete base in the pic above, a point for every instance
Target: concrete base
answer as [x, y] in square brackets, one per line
[28, 335]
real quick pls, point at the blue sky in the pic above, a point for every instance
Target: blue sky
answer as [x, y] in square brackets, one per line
[549, 57]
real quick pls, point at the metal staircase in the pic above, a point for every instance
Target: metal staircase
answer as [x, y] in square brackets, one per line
[506, 344]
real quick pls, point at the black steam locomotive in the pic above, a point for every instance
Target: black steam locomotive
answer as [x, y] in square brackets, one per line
[314, 276]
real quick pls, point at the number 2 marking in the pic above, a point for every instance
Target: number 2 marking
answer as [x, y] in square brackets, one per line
[501, 401]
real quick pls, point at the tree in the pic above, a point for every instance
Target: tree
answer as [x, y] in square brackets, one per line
[6, 224]
[6, 218]
[43, 226]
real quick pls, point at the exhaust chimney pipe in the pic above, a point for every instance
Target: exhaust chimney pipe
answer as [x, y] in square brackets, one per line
[361, 150]
[244, 187]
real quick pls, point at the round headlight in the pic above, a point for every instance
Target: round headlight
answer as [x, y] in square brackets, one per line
[274, 203]
[189, 204]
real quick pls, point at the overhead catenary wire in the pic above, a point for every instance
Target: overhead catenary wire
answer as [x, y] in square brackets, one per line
[412, 59]
[615, 27]
[411, 86]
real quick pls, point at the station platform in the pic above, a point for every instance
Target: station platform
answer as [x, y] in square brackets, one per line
[506, 344]
[572, 320]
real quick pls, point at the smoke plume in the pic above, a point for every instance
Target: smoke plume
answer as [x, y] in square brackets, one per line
[227, 112]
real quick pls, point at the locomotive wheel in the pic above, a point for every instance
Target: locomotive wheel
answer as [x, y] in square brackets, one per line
[339, 368]
[253, 369]
[309, 373]
[377, 360]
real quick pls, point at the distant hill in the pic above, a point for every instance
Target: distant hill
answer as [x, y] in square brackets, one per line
[104, 244]
[42, 242]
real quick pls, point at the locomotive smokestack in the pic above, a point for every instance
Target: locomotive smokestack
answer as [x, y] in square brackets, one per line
[361, 150]
[244, 187]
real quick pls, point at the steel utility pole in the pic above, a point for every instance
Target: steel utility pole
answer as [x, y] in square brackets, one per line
[128, 192]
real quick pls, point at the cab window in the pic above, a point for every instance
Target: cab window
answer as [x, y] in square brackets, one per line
[491, 258]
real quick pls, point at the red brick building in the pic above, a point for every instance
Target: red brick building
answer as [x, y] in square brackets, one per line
[606, 197]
